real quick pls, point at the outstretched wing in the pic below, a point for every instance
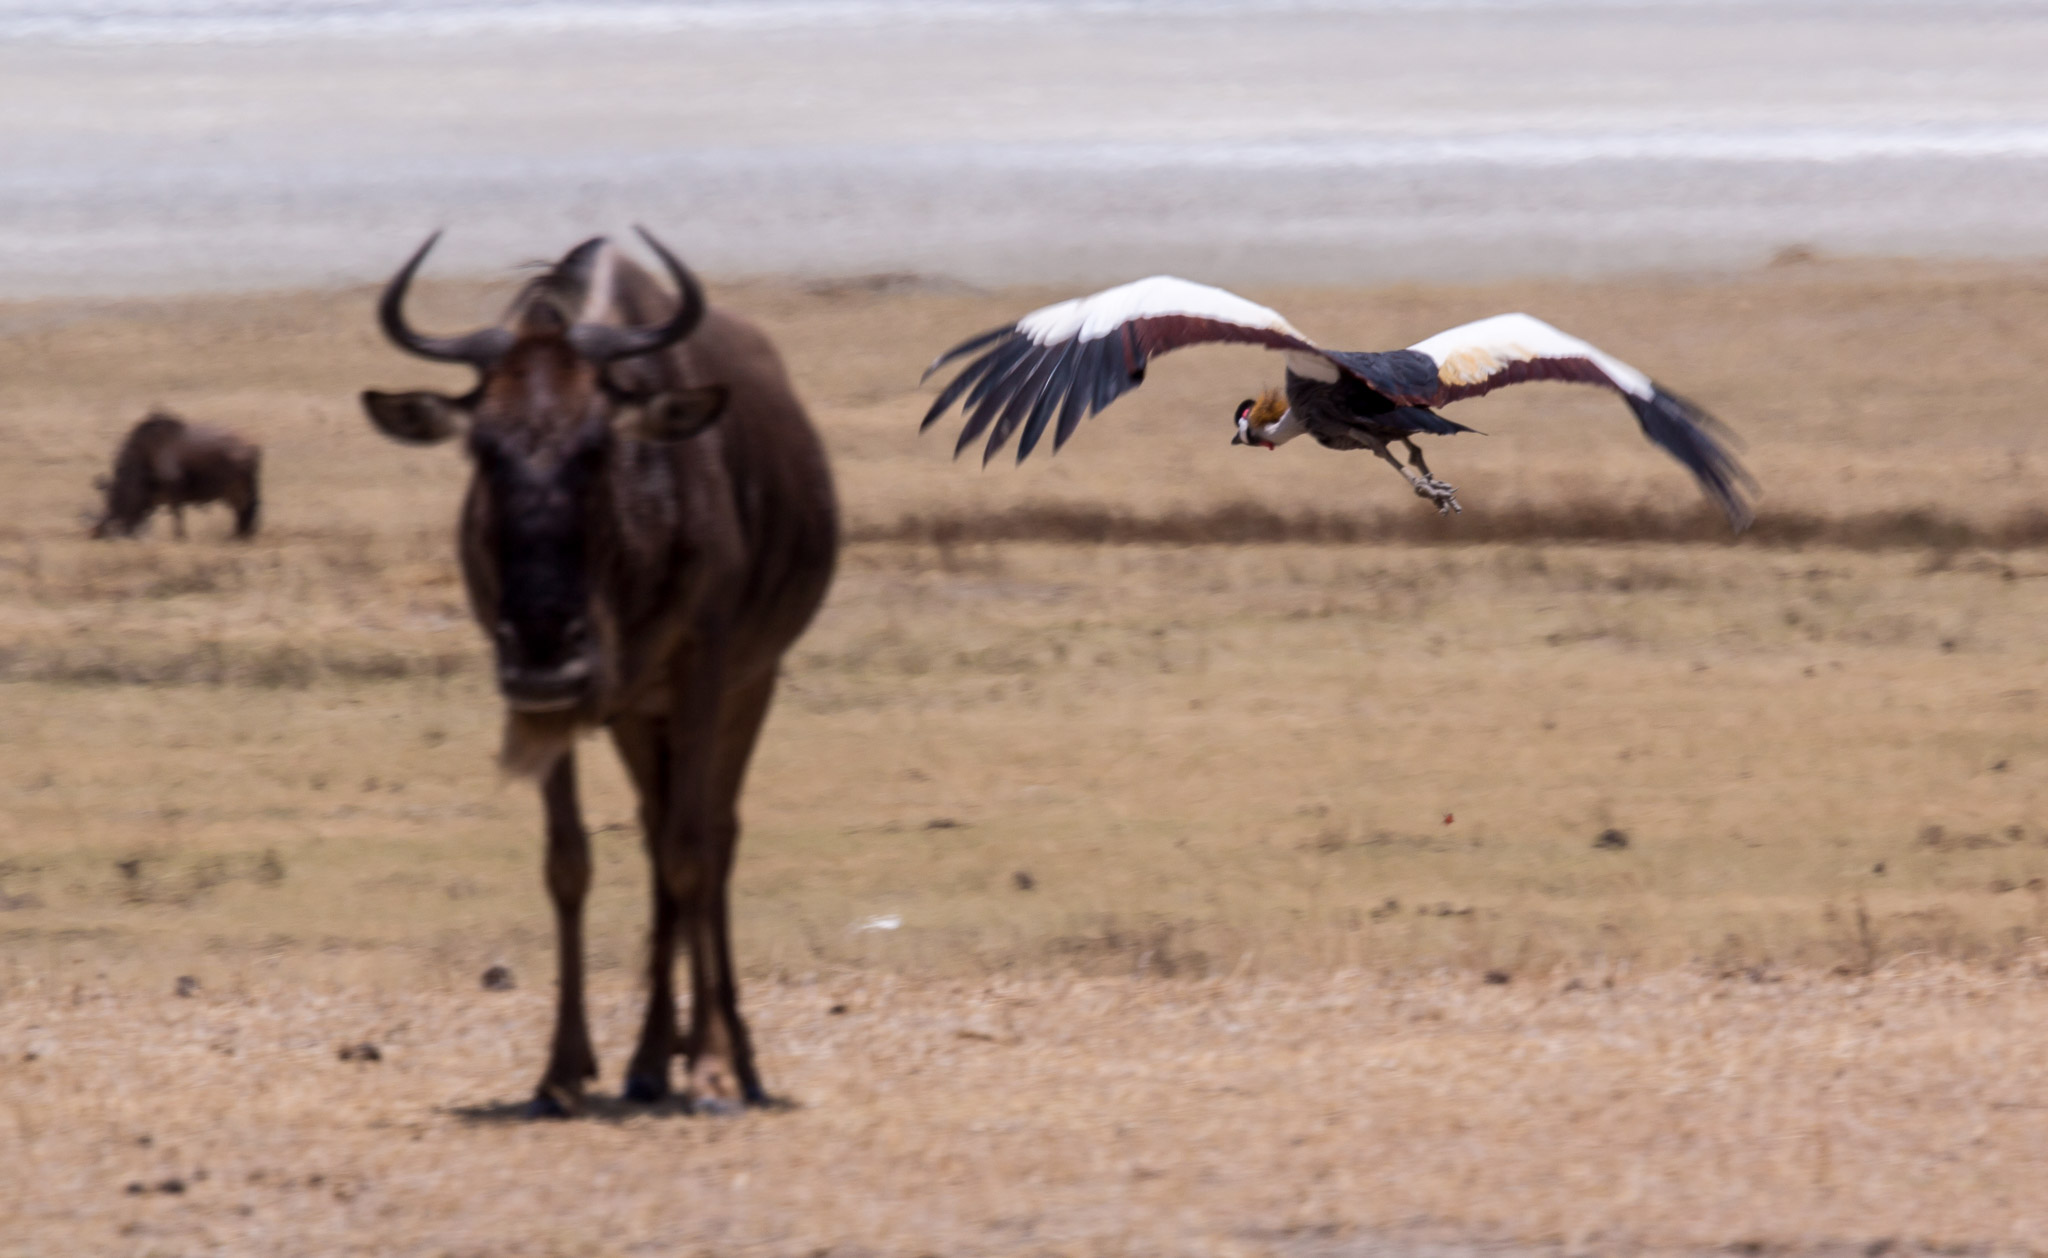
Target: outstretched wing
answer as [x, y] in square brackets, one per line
[1074, 358]
[1507, 349]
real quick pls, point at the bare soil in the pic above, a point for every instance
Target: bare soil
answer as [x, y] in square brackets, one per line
[1261, 884]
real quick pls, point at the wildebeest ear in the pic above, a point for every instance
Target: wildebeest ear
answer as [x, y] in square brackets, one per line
[418, 418]
[677, 414]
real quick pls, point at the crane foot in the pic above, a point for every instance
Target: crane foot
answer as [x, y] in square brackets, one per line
[1445, 497]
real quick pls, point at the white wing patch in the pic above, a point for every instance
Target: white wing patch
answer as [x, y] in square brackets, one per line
[1314, 366]
[1092, 318]
[1473, 352]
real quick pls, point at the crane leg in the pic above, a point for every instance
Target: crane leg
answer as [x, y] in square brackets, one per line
[1445, 497]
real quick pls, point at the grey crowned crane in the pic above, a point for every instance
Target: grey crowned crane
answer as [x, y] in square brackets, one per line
[1072, 359]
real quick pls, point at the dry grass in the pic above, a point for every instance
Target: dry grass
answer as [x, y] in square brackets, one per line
[1862, 388]
[1347, 1114]
[1284, 808]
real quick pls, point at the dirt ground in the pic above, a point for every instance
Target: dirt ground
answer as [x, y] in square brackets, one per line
[1499, 891]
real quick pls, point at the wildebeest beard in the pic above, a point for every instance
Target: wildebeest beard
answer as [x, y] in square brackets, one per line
[541, 513]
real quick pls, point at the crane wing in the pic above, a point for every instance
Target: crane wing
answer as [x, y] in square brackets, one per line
[1075, 358]
[1480, 357]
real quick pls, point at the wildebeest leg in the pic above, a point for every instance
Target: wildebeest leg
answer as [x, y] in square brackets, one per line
[246, 503]
[571, 1060]
[685, 850]
[178, 519]
[643, 745]
[721, 1068]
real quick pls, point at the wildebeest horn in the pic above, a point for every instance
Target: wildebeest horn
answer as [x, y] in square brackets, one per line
[478, 349]
[602, 343]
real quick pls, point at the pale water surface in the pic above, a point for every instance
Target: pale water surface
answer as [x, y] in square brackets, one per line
[152, 145]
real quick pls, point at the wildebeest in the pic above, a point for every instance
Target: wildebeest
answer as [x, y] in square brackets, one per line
[167, 462]
[649, 526]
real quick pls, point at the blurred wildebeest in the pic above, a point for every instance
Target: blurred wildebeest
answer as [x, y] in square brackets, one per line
[649, 526]
[167, 462]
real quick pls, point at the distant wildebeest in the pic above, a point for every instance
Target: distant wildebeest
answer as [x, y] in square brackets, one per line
[167, 462]
[649, 527]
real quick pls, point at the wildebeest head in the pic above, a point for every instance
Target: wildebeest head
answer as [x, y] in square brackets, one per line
[127, 497]
[121, 507]
[552, 402]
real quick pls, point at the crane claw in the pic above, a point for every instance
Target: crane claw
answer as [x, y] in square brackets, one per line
[1445, 497]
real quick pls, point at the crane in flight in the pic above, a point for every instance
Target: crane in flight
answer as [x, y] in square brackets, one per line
[1069, 360]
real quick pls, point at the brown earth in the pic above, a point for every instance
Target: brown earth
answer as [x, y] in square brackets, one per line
[1290, 810]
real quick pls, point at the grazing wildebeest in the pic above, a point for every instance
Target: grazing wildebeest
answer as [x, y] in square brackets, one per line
[167, 462]
[650, 525]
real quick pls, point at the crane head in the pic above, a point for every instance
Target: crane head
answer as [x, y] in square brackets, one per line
[1256, 418]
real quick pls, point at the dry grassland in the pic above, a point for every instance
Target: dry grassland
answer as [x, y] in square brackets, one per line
[1250, 897]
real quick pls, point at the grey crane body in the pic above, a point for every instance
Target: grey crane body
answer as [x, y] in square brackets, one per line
[1348, 415]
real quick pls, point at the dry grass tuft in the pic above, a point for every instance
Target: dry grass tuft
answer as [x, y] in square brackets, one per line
[1254, 523]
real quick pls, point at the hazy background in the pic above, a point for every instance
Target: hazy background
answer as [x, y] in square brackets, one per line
[174, 144]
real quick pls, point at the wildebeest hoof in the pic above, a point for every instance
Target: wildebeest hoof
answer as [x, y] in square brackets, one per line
[645, 1089]
[716, 1107]
[716, 1088]
[552, 1100]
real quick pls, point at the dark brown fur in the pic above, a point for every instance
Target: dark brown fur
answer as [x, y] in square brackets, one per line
[167, 462]
[693, 556]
